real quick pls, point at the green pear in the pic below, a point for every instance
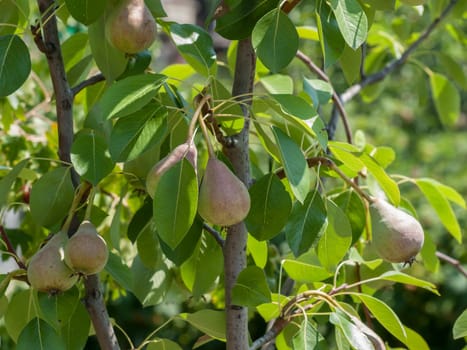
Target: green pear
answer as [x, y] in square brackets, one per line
[86, 251]
[397, 236]
[223, 199]
[47, 271]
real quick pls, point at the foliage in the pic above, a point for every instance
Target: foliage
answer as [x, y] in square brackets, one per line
[311, 270]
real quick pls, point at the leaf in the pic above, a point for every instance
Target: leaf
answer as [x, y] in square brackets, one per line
[428, 252]
[90, 156]
[196, 47]
[446, 98]
[58, 309]
[439, 202]
[258, 251]
[336, 240]
[202, 269]
[460, 326]
[351, 61]
[277, 84]
[330, 38]
[387, 184]
[294, 163]
[251, 288]
[150, 285]
[305, 223]
[401, 277]
[239, 21]
[232, 120]
[356, 338]
[39, 335]
[295, 106]
[129, 95]
[76, 332]
[163, 344]
[15, 64]
[176, 202]
[86, 11]
[303, 272]
[319, 90]
[270, 207]
[275, 40]
[207, 321]
[14, 16]
[8, 180]
[110, 61]
[352, 21]
[148, 247]
[307, 337]
[354, 208]
[51, 197]
[136, 133]
[19, 313]
[415, 340]
[119, 271]
[385, 315]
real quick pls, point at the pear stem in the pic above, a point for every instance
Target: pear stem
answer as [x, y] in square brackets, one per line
[204, 129]
[82, 189]
[194, 119]
[92, 194]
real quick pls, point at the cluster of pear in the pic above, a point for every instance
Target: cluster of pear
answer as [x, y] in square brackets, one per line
[223, 199]
[57, 266]
[130, 26]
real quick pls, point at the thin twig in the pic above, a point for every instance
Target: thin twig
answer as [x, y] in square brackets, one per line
[354, 90]
[454, 262]
[10, 247]
[214, 233]
[335, 97]
[88, 82]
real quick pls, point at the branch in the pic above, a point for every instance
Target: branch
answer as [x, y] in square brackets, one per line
[235, 243]
[335, 97]
[215, 234]
[454, 262]
[88, 82]
[352, 91]
[47, 40]
[10, 248]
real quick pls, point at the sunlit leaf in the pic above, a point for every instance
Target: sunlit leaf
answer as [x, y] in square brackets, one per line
[356, 338]
[401, 277]
[460, 326]
[446, 97]
[352, 21]
[210, 322]
[295, 106]
[307, 337]
[302, 272]
[258, 251]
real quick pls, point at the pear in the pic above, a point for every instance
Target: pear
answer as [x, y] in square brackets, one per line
[130, 26]
[47, 271]
[86, 251]
[397, 236]
[223, 199]
[185, 150]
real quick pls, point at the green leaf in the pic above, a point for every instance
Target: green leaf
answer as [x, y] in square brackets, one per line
[136, 133]
[305, 223]
[8, 180]
[388, 185]
[86, 11]
[307, 337]
[440, 203]
[258, 251]
[401, 277]
[76, 332]
[39, 335]
[14, 16]
[351, 61]
[356, 338]
[119, 271]
[51, 197]
[15, 64]
[319, 90]
[303, 272]
[385, 315]
[90, 156]
[110, 61]
[147, 243]
[277, 84]
[196, 47]
[352, 21]
[270, 207]
[176, 202]
[251, 288]
[346, 154]
[19, 313]
[428, 252]
[201, 270]
[210, 322]
[354, 208]
[415, 340]
[294, 163]
[330, 38]
[295, 106]
[150, 285]
[447, 99]
[58, 309]
[275, 40]
[460, 326]
[239, 21]
[129, 95]
[336, 240]
[163, 344]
